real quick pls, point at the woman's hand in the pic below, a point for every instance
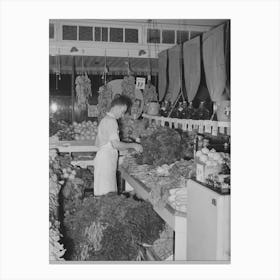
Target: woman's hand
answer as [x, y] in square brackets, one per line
[138, 148]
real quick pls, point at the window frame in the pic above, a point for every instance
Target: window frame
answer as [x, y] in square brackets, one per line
[168, 29]
[178, 30]
[147, 31]
[71, 26]
[54, 31]
[92, 34]
[110, 34]
[132, 28]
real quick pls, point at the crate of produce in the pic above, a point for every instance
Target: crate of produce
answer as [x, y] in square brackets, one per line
[208, 163]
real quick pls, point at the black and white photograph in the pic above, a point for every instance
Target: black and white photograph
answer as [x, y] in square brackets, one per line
[139, 140]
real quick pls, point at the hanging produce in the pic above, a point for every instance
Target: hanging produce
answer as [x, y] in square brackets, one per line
[104, 100]
[150, 95]
[128, 87]
[83, 90]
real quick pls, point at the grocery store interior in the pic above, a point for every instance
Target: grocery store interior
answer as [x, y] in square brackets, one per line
[168, 158]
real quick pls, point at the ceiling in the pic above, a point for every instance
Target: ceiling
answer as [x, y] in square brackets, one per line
[95, 64]
[199, 23]
[196, 22]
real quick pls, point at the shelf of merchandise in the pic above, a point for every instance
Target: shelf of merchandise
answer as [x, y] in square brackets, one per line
[203, 126]
[176, 220]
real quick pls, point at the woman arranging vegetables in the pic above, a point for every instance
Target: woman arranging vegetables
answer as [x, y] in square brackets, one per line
[108, 142]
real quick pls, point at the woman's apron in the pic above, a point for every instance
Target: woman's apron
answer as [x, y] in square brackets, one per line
[105, 168]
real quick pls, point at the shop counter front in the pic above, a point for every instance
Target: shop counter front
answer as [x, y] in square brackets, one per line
[176, 220]
[74, 146]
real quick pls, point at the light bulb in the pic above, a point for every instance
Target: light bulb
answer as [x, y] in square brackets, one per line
[54, 107]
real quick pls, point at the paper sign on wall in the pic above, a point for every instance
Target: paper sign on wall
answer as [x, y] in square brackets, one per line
[140, 83]
[200, 128]
[228, 130]
[92, 111]
[190, 126]
[215, 129]
[222, 129]
[208, 127]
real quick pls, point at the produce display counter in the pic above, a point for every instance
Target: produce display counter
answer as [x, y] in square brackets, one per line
[77, 147]
[203, 126]
[74, 146]
[176, 220]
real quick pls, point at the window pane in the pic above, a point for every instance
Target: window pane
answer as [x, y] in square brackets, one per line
[51, 31]
[97, 34]
[85, 33]
[131, 35]
[104, 34]
[69, 32]
[195, 33]
[116, 34]
[168, 36]
[182, 36]
[153, 36]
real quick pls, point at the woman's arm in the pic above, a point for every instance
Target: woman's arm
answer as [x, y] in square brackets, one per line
[124, 146]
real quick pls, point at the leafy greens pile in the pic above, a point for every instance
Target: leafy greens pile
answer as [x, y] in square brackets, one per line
[163, 146]
[111, 228]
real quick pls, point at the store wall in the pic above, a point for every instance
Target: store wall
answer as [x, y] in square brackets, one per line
[60, 94]
[57, 46]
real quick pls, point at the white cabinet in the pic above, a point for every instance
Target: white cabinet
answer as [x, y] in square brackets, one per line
[208, 224]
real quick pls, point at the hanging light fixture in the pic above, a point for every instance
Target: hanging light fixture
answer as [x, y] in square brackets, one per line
[127, 63]
[106, 69]
[57, 72]
[141, 52]
[74, 49]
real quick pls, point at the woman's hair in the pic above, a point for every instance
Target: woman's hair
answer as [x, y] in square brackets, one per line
[121, 100]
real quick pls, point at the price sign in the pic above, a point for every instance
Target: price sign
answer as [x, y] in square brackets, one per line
[175, 123]
[190, 126]
[208, 127]
[140, 83]
[200, 128]
[92, 111]
[200, 172]
[228, 130]
[215, 129]
[222, 129]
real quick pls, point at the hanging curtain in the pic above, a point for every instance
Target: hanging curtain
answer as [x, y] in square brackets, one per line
[227, 57]
[192, 71]
[214, 62]
[162, 75]
[174, 72]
